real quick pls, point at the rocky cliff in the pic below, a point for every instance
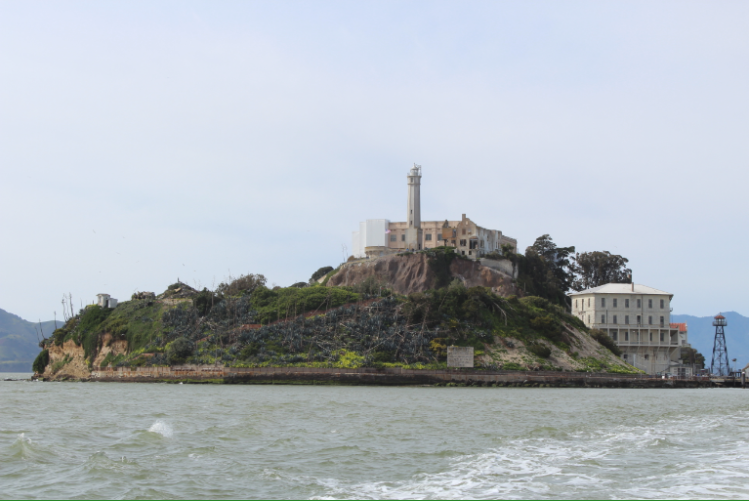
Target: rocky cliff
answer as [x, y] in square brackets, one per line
[421, 271]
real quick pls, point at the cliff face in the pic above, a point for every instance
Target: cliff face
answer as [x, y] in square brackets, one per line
[413, 273]
[67, 361]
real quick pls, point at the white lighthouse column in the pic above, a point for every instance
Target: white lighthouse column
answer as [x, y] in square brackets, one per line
[413, 215]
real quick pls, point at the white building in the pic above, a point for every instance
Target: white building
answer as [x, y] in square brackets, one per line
[638, 319]
[106, 301]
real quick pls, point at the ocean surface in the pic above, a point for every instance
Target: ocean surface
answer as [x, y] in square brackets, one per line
[129, 440]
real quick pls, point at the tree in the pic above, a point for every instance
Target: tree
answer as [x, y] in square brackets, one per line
[692, 356]
[179, 350]
[592, 269]
[544, 270]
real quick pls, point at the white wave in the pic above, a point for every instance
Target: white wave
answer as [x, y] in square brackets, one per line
[162, 429]
[593, 464]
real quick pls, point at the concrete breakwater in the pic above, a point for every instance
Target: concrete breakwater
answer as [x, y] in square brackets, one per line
[392, 377]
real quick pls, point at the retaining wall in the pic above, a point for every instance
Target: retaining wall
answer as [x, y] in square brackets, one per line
[394, 376]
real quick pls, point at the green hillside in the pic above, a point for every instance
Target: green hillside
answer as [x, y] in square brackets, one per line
[335, 327]
[19, 342]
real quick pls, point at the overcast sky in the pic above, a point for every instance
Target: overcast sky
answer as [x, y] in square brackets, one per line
[141, 142]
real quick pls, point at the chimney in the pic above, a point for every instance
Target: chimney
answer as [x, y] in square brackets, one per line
[633, 286]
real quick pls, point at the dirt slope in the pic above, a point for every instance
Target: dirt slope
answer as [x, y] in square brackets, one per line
[410, 273]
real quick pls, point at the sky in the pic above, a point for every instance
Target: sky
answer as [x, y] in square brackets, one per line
[143, 142]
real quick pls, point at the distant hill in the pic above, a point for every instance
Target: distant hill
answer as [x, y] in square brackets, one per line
[702, 334]
[19, 344]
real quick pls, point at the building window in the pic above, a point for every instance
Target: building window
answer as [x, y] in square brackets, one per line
[614, 336]
[615, 319]
[603, 302]
[575, 303]
[614, 302]
[647, 356]
[428, 236]
[464, 231]
[650, 303]
[639, 304]
[650, 320]
[588, 301]
[626, 303]
[638, 320]
[626, 319]
[603, 319]
[392, 238]
[662, 323]
[403, 237]
[626, 338]
[624, 356]
[651, 336]
[588, 319]
[462, 243]
[662, 337]
[662, 303]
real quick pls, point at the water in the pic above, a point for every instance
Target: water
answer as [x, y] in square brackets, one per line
[128, 440]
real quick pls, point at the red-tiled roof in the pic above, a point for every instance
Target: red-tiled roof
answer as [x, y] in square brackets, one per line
[682, 326]
[720, 317]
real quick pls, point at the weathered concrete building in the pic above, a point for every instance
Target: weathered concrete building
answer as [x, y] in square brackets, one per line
[106, 301]
[377, 237]
[638, 319]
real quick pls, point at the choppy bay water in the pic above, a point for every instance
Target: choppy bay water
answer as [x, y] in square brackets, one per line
[112, 440]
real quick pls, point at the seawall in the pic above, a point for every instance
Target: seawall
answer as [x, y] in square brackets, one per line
[394, 377]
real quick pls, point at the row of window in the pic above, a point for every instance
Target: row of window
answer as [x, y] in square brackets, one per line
[615, 302]
[646, 356]
[626, 320]
[615, 336]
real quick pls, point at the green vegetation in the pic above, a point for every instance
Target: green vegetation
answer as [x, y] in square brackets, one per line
[550, 272]
[60, 364]
[41, 361]
[347, 327]
[273, 305]
[606, 341]
[320, 273]
[439, 260]
[179, 350]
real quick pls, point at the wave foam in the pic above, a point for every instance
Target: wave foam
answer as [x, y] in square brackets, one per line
[162, 429]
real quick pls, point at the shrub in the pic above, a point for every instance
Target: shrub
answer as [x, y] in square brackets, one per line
[606, 341]
[205, 300]
[41, 361]
[512, 366]
[320, 273]
[540, 350]
[179, 350]
[245, 283]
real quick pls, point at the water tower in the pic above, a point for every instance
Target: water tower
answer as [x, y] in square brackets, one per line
[719, 364]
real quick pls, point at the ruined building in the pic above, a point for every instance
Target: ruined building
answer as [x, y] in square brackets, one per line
[379, 237]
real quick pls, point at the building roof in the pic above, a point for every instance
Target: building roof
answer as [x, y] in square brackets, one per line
[621, 289]
[682, 326]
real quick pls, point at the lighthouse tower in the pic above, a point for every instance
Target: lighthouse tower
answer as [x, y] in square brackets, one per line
[413, 217]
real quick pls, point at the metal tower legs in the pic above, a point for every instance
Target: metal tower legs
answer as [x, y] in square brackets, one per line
[719, 364]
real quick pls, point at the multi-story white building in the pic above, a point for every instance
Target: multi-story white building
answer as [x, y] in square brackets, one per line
[638, 319]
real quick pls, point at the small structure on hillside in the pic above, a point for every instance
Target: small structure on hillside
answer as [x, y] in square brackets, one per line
[460, 356]
[106, 301]
[143, 295]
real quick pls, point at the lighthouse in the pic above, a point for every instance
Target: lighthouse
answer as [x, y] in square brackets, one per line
[413, 216]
